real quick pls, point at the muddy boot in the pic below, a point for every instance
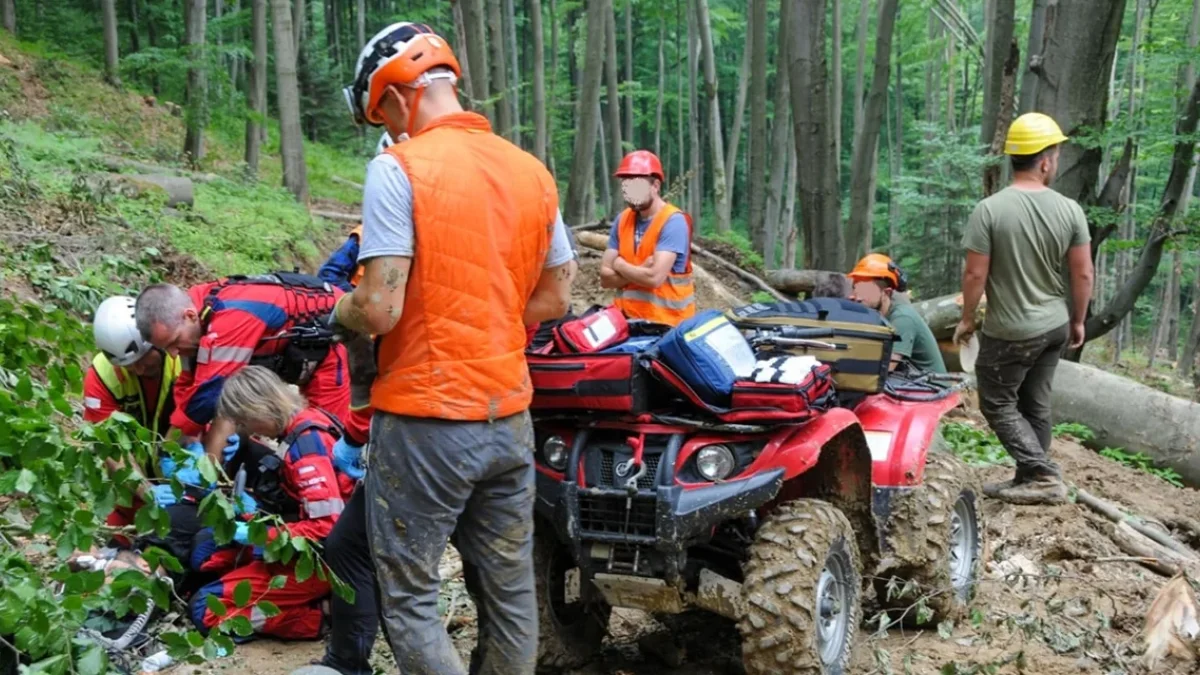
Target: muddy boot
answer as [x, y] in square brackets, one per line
[1047, 490]
[993, 490]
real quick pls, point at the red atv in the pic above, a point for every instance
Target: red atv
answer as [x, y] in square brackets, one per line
[773, 525]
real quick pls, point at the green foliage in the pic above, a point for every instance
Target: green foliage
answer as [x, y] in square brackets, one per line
[974, 446]
[1140, 462]
[1076, 430]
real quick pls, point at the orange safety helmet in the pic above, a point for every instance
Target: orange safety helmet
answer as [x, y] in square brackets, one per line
[401, 54]
[640, 163]
[879, 266]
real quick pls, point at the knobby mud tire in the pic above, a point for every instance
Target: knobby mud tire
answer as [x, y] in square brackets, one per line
[791, 549]
[566, 639]
[920, 542]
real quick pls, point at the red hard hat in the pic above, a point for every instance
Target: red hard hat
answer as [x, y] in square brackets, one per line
[640, 163]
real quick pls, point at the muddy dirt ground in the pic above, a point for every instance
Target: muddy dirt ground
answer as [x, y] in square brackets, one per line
[1057, 598]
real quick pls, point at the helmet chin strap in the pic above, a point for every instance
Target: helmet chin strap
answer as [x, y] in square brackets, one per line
[412, 111]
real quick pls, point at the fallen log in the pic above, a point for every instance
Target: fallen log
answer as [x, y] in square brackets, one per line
[943, 313]
[345, 217]
[1114, 513]
[1126, 414]
[118, 164]
[795, 282]
[175, 189]
[1154, 556]
[746, 276]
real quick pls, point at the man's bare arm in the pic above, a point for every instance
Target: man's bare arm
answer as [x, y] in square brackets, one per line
[651, 276]
[609, 277]
[375, 306]
[552, 296]
[1079, 261]
[974, 281]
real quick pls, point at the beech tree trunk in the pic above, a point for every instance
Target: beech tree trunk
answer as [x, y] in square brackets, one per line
[361, 28]
[9, 10]
[112, 71]
[614, 112]
[866, 141]
[605, 170]
[780, 157]
[540, 148]
[1035, 49]
[467, 82]
[837, 88]
[860, 71]
[582, 165]
[552, 103]
[235, 63]
[256, 92]
[1000, 23]
[662, 90]
[739, 114]
[894, 211]
[696, 190]
[197, 82]
[720, 196]
[299, 30]
[291, 135]
[816, 178]
[514, 70]
[495, 37]
[477, 54]
[758, 124]
[790, 233]
[628, 133]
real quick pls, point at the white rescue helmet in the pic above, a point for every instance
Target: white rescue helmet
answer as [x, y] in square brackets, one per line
[115, 331]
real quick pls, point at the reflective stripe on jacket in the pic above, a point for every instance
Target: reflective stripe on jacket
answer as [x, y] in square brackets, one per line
[675, 299]
[127, 389]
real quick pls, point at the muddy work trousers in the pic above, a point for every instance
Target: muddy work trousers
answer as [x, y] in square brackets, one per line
[428, 479]
[1015, 380]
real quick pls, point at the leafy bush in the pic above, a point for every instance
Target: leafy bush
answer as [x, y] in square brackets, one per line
[974, 446]
[1140, 462]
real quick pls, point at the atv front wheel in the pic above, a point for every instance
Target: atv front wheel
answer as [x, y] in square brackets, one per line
[802, 591]
[571, 622]
[935, 544]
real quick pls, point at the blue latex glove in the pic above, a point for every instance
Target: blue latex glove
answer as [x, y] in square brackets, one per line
[347, 458]
[244, 503]
[169, 466]
[163, 495]
[231, 447]
[242, 534]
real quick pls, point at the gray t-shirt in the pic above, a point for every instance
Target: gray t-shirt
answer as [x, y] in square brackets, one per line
[1026, 233]
[388, 216]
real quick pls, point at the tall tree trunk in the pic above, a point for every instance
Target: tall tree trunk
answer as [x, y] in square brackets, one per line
[606, 180]
[514, 66]
[780, 157]
[1035, 49]
[932, 79]
[235, 63]
[739, 114]
[256, 92]
[860, 71]
[550, 113]
[495, 37]
[1176, 307]
[758, 124]
[477, 54]
[112, 66]
[300, 30]
[1123, 338]
[998, 46]
[791, 235]
[696, 152]
[291, 136]
[720, 196]
[360, 15]
[819, 198]
[866, 140]
[1162, 321]
[135, 41]
[662, 85]
[894, 211]
[628, 134]
[837, 89]
[197, 81]
[9, 10]
[680, 125]
[614, 110]
[467, 83]
[540, 149]
[582, 165]
[1187, 360]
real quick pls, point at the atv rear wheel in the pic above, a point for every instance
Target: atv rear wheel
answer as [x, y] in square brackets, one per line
[936, 546]
[803, 592]
[570, 625]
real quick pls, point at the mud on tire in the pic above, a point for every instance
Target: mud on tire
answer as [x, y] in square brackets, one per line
[935, 543]
[569, 632]
[803, 552]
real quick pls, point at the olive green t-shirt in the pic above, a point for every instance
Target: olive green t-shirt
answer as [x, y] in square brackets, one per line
[1026, 233]
[914, 340]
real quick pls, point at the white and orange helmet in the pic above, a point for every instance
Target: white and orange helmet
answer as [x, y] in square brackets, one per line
[404, 54]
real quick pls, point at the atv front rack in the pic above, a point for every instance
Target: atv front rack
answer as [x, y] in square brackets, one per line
[916, 386]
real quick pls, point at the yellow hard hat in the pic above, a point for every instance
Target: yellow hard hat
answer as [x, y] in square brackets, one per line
[1032, 133]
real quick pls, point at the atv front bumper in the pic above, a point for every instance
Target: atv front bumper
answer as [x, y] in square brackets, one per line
[623, 531]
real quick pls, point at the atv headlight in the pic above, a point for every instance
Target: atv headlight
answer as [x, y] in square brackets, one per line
[554, 451]
[714, 462]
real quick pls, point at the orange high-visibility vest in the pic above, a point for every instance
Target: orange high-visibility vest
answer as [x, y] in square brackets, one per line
[483, 216]
[675, 299]
[358, 271]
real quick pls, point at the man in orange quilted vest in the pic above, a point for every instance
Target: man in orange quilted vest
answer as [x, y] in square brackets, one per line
[649, 258]
[462, 247]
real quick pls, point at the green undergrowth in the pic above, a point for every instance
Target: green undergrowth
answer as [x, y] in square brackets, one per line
[980, 447]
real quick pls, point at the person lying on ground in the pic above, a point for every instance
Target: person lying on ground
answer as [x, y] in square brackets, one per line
[304, 489]
[876, 281]
[225, 325]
